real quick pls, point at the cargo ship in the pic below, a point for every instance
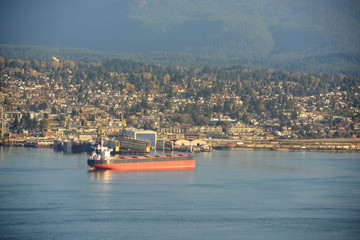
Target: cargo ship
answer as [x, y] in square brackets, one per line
[101, 159]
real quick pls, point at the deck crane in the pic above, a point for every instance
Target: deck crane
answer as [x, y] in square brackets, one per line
[85, 120]
[124, 125]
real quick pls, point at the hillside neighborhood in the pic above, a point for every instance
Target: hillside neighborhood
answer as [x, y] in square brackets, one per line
[62, 98]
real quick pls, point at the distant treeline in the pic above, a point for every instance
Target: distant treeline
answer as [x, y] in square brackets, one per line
[334, 63]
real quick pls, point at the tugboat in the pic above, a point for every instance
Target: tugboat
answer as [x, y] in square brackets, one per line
[101, 159]
[206, 148]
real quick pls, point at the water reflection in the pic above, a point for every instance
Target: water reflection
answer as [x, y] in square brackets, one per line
[264, 161]
[173, 175]
[96, 175]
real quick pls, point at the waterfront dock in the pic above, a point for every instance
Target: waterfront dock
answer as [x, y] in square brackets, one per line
[320, 145]
[326, 145]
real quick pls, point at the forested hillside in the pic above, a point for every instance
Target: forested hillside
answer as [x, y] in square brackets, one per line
[255, 29]
[317, 36]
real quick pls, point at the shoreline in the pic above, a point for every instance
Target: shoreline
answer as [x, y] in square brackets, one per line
[290, 145]
[281, 145]
[292, 150]
[356, 150]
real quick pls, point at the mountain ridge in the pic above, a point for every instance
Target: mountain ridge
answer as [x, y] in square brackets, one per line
[243, 31]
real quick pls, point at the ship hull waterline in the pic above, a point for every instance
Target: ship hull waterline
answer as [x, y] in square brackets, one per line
[140, 164]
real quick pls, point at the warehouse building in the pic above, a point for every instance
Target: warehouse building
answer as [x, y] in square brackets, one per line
[141, 134]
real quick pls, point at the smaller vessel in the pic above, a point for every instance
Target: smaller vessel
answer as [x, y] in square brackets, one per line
[101, 159]
[206, 148]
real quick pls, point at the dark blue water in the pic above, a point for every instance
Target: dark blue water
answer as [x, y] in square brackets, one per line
[230, 195]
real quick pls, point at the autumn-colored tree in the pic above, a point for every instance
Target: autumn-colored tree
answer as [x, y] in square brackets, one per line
[33, 73]
[2, 62]
[197, 70]
[68, 63]
[312, 79]
[166, 78]
[55, 64]
[147, 75]
[44, 124]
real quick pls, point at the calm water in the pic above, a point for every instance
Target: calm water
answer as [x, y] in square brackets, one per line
[230, 195]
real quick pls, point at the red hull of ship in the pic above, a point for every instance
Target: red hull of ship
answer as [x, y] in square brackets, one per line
[163, 165]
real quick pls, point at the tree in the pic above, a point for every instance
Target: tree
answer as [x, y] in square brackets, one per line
[74, 112]
[42, 106]
[166, 78]
[168, 104]
[310, 103]
[44, 124]
[3, 84]
[183, 118]
[62, 118]
[294, 115]
[226, 125]
[16, 123]
[6, 101]
[53, 110]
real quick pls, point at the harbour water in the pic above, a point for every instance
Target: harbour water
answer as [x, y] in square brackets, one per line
[229, 195]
